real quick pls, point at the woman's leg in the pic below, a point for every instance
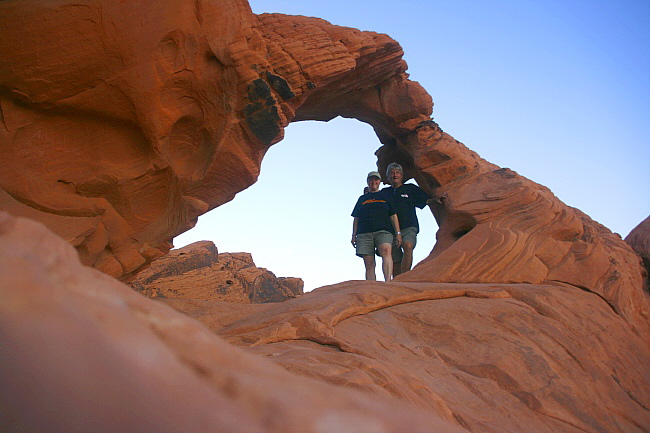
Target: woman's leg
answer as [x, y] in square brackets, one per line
[386, 260]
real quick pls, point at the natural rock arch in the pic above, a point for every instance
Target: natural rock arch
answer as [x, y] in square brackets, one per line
[118, 146]
[486, 214]
[128, 144]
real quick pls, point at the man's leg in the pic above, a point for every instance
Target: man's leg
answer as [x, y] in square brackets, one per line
[369, 263]
[397, 268]
[397, 259]
[386, 261]
[407, 258]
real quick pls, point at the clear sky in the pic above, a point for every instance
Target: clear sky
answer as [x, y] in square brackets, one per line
[557, 90]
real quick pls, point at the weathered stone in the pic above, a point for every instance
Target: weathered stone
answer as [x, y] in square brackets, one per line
[127, 130]
[198, 271]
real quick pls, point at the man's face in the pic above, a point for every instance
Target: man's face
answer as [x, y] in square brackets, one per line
[373, 183]
[395, 176]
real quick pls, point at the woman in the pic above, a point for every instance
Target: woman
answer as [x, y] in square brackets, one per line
[375, 221]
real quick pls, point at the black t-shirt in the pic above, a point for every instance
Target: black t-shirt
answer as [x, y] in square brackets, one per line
[374, 210]
[406, 198]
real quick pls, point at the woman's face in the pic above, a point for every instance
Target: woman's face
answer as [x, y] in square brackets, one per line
[373, 184]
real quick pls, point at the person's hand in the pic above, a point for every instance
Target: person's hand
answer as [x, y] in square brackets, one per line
[354, 241]
[398, 240]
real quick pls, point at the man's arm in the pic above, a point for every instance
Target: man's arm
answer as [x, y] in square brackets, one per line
[421, 197]
[398, 232]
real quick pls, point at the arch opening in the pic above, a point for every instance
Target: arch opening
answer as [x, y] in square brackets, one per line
[295, 220]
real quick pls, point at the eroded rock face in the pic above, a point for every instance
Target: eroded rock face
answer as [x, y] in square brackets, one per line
[526, 316]
[639, 240]
[118, 135]
[198, 271]
[114, 115]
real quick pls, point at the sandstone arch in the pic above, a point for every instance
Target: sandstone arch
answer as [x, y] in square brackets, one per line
[194, 106]
[483, 210]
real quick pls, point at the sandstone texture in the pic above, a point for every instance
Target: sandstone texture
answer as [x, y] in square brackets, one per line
[527, 316]
[198, 271]
[556, 356]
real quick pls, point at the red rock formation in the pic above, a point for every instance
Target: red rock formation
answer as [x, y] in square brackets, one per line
[112, 136]
[493, 357]
[527, 315]
[639, 240]
[108, 100]
[495, 226]
[198, 271]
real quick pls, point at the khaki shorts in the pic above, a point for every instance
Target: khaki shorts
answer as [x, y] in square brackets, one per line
[367, 242]
[409, 234]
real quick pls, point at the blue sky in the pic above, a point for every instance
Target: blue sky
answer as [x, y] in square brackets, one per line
[558, 91]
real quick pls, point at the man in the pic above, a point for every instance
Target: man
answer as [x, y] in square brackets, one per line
[375, 221]
[406, 198]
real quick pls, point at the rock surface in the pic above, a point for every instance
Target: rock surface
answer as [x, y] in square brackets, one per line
[365, 356]
[526, 316]
[198, 271]
[494, 358]
[82, 352]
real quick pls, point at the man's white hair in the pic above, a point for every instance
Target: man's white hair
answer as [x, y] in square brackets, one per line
[394, 165]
